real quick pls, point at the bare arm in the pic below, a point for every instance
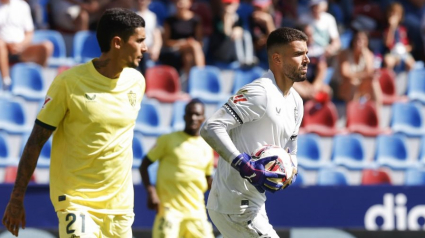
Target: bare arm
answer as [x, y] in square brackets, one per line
[153, 201]
[15, 213]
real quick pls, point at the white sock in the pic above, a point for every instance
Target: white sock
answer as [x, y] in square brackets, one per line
[7, 81]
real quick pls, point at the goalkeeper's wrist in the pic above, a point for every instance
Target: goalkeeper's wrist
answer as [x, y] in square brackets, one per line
[240, 160]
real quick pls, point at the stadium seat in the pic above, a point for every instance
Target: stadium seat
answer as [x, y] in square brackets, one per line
[387, 81]
[205, 83]
[138, 150]
[391, 151]
[177, 117]
[5, 152]
[421, 154]
[375, 177]
[160, 10]
[309, 152]
[13, 117]
[85, 46]
[414, 176]
[416, 85]
[349, 151]
[58, 57]
[27, 81]
[320, 118]
[149, 120]
[345, 38]
[163, 84]
[243, 76]
[331, 177]
[407, 118]
[362, 117]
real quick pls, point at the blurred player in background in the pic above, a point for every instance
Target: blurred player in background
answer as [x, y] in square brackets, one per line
[266, 111]
[91, 109]
[184, 174]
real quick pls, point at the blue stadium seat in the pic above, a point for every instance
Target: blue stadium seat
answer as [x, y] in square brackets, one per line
[349, 151]
[149, 120]
[421, 154]
[416, 85]
[331, 177]
[58, 57]
[346, 39]
[5, 157]
[177, 117]
[414, 177]
[407, 118]
[27, 81]
[309, 152]
[244, 76]
[13, 118]
[138, 150]
[205, 83]
[391, 150]
[160, 10]
[85, 46]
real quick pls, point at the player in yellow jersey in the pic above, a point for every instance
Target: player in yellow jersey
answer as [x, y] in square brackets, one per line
[184, 174]
[91, 111]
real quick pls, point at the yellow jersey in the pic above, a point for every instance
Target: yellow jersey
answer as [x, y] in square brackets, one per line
[184, 161]
[91, 155]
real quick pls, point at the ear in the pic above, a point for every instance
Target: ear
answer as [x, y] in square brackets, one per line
[116, 42]
[276, 58]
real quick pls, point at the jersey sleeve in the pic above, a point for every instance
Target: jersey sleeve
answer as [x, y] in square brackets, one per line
[249, 103]
[158, 150]
[55, 104]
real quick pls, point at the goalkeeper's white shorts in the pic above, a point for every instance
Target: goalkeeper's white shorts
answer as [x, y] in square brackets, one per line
[249, 224]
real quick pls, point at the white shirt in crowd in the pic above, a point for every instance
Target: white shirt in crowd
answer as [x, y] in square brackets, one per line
[15, 21]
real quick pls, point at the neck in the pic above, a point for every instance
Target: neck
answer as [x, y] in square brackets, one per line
[283, 82]
[108, 66]
[191, 133]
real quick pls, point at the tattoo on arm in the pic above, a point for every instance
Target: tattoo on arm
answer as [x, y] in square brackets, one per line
[29, 158]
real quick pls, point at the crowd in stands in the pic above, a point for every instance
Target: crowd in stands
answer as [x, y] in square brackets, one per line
[356, 48]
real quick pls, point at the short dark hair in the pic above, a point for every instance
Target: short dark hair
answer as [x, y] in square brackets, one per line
[117, 22]
[192, 102]
[285, 35]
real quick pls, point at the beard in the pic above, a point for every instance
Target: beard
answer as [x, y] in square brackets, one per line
[296, 74]
[132, 65]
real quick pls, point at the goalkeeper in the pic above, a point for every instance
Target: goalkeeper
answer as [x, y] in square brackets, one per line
[266, 111]
[184, 174]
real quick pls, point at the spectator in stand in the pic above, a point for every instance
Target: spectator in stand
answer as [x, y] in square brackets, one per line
[397, 45]
[354, 74]
[260, 25]
[16, 32]
[183, 39]
[314, 87]
[153, 34]
[325, 33]
[75, 15]
[230, 41]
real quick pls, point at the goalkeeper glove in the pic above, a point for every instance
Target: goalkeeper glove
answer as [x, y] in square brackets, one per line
[255, 172]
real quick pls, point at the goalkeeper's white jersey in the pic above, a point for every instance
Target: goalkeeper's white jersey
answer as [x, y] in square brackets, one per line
[258, 114]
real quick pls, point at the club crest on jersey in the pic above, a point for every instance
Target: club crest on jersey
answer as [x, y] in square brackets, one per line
[90, 98]
[46, 100]
[132, 98]
[239, 98]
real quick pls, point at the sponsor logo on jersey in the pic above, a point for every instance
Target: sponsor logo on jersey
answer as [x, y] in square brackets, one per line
[90, 98]
[278, 110]
[46, 100]
[239, 98]
[132, 98]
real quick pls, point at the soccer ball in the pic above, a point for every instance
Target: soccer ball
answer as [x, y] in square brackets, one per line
[282, 164]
